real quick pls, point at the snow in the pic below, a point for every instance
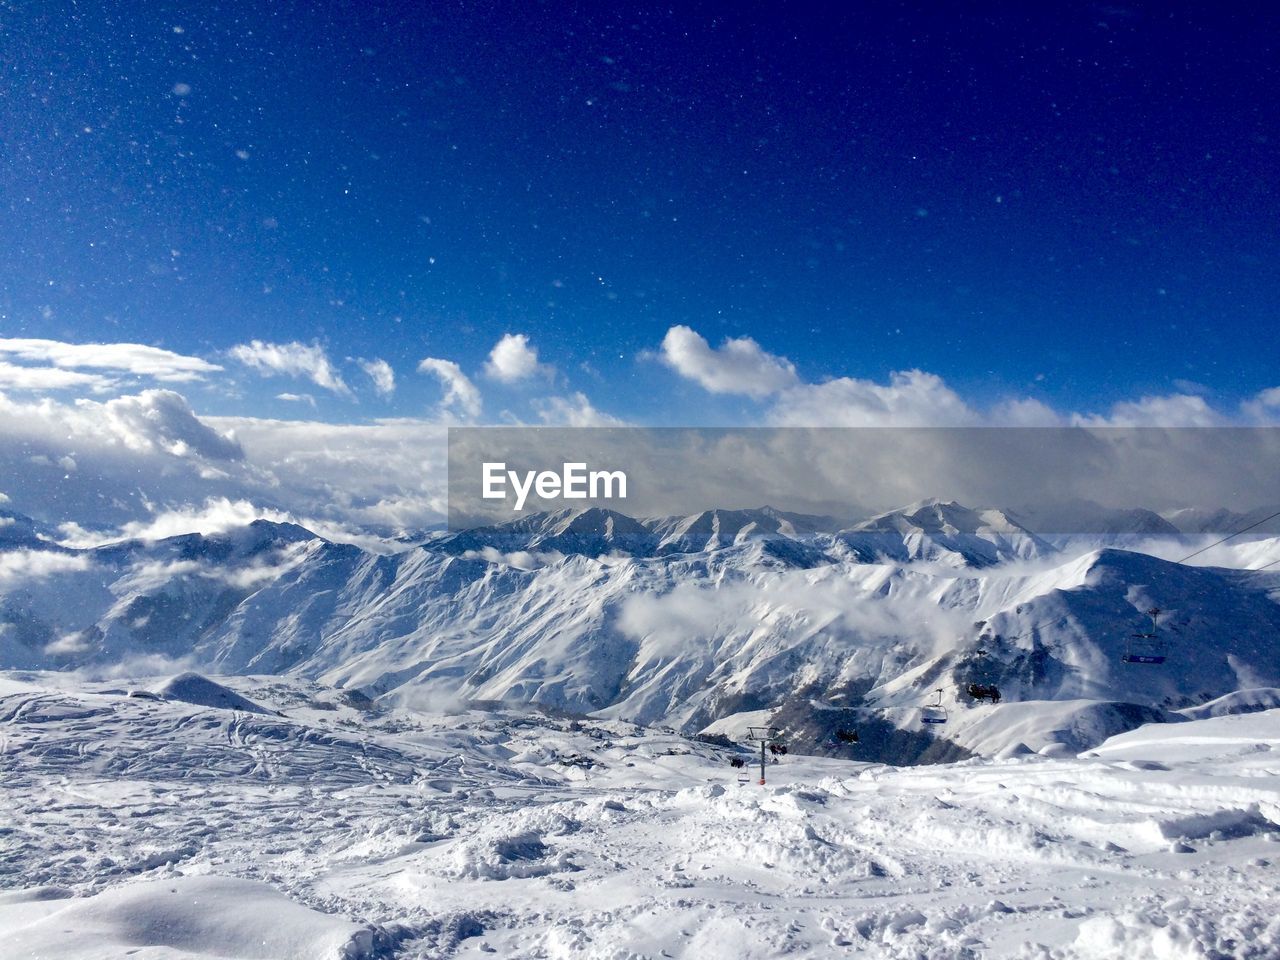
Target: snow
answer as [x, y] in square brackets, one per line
[736, 726]
[1238, 701]
[179, 830]
[1039, 724]
[192, 688]
[477, 746]
[181, 917]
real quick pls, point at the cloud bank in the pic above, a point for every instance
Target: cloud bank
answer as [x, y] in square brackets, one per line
[145, 461]
[918, 398]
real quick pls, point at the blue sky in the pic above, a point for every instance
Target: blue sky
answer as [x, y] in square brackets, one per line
[1075, 207]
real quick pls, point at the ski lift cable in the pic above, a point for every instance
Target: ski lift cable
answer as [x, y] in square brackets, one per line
[1229, 536]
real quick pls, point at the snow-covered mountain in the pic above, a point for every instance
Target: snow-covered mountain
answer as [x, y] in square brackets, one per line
[945, 532]
[1078, 518]
[597, 531]
[713, 529]
[675, 621]
[1218, 521]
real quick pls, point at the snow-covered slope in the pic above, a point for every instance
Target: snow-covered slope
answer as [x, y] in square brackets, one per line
[162, 829]
[183, 916]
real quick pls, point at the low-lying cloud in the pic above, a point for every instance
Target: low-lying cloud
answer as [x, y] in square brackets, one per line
[20, 566]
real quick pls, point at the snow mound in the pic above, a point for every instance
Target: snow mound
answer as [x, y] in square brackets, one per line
[1228, 736]
[1224, 823]
[1177, 930]
[518, 847]
[1241, 701]
[1048, 727]
[190, 917]
[202, 692]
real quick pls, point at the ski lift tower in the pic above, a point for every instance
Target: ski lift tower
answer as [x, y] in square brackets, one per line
[764, 736]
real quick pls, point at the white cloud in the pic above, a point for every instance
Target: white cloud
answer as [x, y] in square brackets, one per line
[1024, 412]
[383, 377]
[68, 644]
[520, 559]
[1263, 407]
[459, 392]
[512, 359]
[142, 457]
[737, 366]
[254, 575]
[574, 411]
[132, 358]
[309, 361]
[911, 398]
[1173, 410]
[160, 420]
[215, 515]
[791, 600]
[298, 398]
[14, 377]
[147, 459]
[24, 565]
[386, 475]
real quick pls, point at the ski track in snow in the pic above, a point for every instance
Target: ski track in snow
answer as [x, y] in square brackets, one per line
[523, 835]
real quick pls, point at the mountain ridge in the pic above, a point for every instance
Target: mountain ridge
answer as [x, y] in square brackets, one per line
[728, 611]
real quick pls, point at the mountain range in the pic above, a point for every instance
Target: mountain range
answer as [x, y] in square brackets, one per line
[694, 623]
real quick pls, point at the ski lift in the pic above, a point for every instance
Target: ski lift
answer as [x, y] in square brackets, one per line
[1146, 648]
[982, 688]
[934, 712]
[983, 691]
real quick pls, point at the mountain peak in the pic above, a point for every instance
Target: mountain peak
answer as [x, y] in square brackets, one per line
[947, 517]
